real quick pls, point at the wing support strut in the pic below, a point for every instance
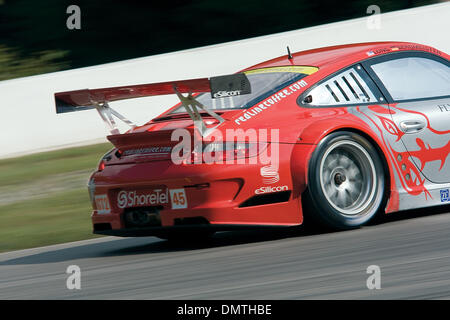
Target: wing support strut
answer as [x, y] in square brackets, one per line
[107, 113]
[192, 107]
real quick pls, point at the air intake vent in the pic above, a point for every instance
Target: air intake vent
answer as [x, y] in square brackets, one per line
[268, 198]
[348, 87]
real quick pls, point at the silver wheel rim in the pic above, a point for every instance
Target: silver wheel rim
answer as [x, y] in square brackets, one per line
[348, 177]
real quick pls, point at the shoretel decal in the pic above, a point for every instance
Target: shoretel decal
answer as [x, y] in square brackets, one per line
[272, 100]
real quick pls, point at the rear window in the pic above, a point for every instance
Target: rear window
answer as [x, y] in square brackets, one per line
[264, 82]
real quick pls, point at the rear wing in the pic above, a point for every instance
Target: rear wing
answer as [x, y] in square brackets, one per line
[86, 99]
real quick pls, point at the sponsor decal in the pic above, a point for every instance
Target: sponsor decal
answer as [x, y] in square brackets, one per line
[269, 174]
[263, 190]
[179, 199]
[222, 94]
[272, 100]
[127, 199]
[102, 204]
[444, 107]
[381, 50]
[403, 47]
[151, 150]
[445, 195]
[416, 47]
[229, 85]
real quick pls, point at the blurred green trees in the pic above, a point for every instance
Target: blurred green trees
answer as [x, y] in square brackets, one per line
[34, 38]
[13, 66]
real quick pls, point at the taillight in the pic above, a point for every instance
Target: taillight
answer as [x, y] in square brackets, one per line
[107, 157]
[101, 165]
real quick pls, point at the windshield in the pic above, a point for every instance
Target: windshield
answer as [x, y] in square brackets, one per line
[264, 82]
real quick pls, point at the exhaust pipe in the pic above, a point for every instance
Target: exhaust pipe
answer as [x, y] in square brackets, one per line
[142, 217]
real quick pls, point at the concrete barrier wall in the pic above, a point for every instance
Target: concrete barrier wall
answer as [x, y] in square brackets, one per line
[29, 123]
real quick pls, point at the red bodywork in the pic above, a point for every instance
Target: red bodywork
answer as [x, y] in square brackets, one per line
[215, 193]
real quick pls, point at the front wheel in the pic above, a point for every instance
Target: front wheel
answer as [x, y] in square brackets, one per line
[345, 182]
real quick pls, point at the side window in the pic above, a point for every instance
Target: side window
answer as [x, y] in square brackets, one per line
[346, 88]
[414, 77]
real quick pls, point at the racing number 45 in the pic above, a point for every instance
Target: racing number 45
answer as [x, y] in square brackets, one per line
[178, 198]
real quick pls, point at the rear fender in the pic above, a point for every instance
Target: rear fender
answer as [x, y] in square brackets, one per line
[315, 132]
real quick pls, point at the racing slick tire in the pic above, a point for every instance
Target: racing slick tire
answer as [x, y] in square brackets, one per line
[346, 182]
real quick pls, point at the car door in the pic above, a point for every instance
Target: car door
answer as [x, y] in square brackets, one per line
[417, 85]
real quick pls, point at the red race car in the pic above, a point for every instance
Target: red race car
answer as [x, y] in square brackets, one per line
[335, 135]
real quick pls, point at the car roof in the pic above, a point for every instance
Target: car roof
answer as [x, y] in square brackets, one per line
[344, 54]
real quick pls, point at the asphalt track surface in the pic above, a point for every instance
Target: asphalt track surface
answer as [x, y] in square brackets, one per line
[412, 250]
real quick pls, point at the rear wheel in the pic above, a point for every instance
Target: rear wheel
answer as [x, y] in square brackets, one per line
[345, 182]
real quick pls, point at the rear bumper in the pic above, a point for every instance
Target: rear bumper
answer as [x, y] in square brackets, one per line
[221, 218]
[216, 193]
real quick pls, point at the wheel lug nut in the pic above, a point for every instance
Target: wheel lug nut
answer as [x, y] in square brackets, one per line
[339, 178]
